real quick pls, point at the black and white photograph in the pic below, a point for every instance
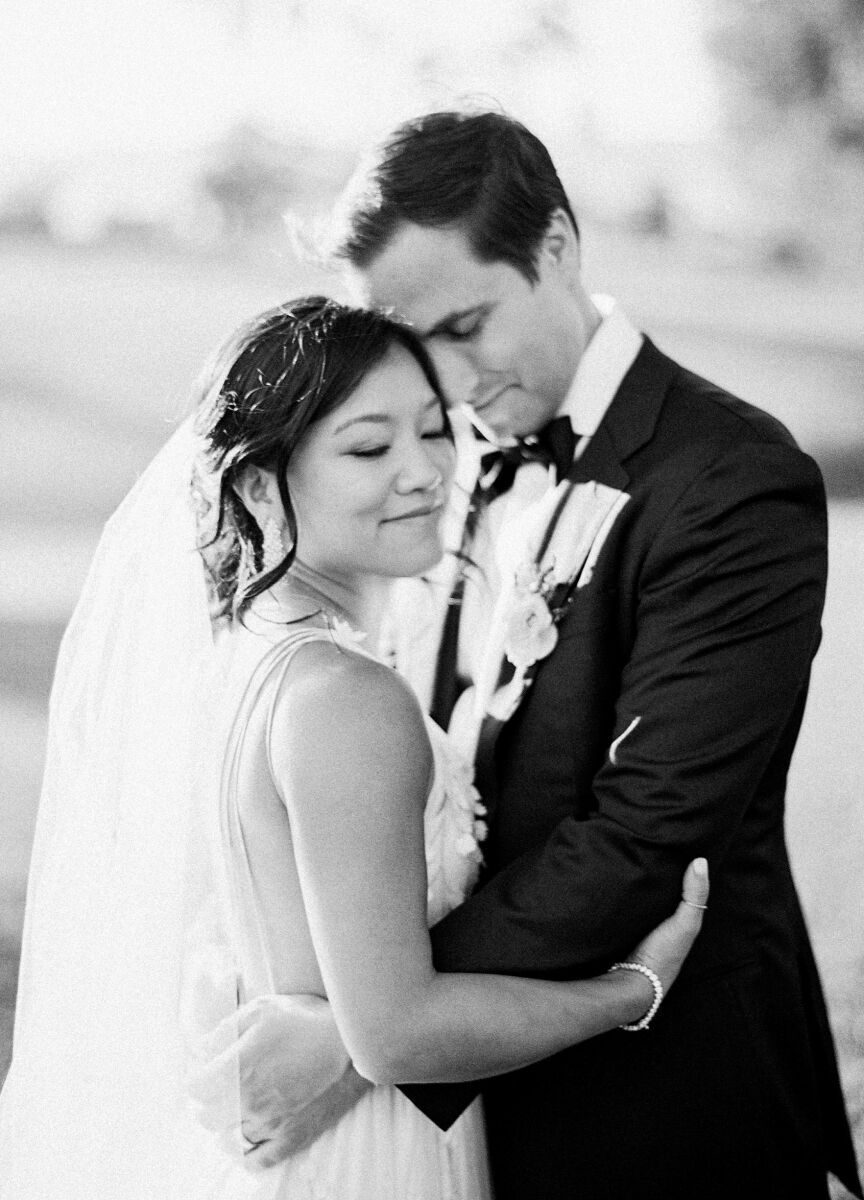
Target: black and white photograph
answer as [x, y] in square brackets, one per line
[431, 670]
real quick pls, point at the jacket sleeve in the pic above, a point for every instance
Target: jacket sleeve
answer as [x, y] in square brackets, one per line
[728, 621]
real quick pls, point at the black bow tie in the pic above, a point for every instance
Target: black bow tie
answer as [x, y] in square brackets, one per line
[554, 446]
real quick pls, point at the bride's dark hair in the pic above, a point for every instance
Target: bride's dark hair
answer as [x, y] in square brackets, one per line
[276, 376]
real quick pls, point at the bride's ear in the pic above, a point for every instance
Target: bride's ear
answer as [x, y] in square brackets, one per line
[258, 492]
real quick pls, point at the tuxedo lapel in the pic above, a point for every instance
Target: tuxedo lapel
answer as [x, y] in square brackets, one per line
[576, 538]
[630, 420]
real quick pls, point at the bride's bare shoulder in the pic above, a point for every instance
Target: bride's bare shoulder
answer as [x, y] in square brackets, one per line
[335, 701]
[326, 670]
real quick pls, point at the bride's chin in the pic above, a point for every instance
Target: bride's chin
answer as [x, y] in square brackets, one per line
[416, 563]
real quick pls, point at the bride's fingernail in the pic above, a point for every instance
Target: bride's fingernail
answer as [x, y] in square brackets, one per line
[700, 866]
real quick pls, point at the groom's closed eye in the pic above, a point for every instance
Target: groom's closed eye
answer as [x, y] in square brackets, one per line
[462, 331]
[460, 326]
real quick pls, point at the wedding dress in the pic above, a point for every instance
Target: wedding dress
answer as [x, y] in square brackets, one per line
[384, 1148]
[139, 935]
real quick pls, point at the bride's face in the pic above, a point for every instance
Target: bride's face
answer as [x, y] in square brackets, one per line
[369, 481]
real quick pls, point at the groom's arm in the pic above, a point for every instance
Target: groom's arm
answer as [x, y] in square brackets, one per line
[728, 621]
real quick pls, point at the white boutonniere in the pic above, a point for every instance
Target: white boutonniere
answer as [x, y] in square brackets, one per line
[567, 529]
[530, 631]
[538, 601]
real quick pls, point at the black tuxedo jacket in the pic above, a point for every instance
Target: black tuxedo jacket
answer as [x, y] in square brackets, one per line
[701, 619]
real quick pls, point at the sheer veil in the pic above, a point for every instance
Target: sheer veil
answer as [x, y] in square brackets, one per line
[95, 1103]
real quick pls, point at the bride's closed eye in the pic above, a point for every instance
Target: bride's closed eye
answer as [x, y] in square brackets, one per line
[368, 452]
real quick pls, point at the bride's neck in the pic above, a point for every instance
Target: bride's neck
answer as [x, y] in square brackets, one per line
[359, 601]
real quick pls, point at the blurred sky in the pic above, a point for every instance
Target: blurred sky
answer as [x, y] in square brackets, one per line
[140, 74]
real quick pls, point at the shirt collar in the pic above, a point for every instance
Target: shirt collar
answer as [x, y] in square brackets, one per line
[607, 358]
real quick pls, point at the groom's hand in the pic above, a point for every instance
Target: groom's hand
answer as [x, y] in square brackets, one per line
[279, 1065]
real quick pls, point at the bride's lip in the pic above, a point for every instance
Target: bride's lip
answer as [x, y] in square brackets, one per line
[425, 511]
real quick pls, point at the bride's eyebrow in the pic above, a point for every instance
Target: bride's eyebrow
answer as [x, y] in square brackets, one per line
[381, 418]
[376, 418]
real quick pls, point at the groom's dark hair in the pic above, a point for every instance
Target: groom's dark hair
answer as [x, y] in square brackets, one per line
[480, 172]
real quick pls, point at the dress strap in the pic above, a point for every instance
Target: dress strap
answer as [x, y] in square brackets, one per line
[256, 973]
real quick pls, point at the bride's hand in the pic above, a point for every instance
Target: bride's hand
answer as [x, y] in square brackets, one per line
[666, 947]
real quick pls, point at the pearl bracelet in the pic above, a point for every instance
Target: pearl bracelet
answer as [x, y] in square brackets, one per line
[655, 983]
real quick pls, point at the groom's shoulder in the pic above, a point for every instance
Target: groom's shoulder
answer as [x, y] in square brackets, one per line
[706, 411]
[701, 422]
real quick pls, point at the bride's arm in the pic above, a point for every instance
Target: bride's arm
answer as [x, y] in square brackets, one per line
[353, 764]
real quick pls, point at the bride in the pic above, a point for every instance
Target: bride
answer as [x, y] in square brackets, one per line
[240, 800]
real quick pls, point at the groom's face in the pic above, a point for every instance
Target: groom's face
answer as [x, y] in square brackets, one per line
[505, 346]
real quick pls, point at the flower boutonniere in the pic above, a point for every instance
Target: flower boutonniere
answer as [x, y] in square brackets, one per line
[531, 629]
[538, 602]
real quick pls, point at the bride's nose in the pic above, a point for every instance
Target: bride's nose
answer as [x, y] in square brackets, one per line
[419, 471]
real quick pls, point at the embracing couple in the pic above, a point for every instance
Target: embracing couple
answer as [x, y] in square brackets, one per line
[235, 826]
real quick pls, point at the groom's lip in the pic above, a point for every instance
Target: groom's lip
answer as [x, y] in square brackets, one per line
[487, 402]
[479, 405]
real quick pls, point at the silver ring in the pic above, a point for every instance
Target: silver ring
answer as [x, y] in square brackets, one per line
[693, 904]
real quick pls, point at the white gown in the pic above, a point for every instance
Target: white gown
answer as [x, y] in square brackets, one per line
[384, 1148]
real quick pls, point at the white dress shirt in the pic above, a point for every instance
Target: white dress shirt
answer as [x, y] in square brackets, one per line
[607, 358]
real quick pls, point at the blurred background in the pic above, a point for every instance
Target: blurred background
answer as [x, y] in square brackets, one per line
[150, 153]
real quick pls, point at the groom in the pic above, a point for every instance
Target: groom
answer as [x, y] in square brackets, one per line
[678, 543]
